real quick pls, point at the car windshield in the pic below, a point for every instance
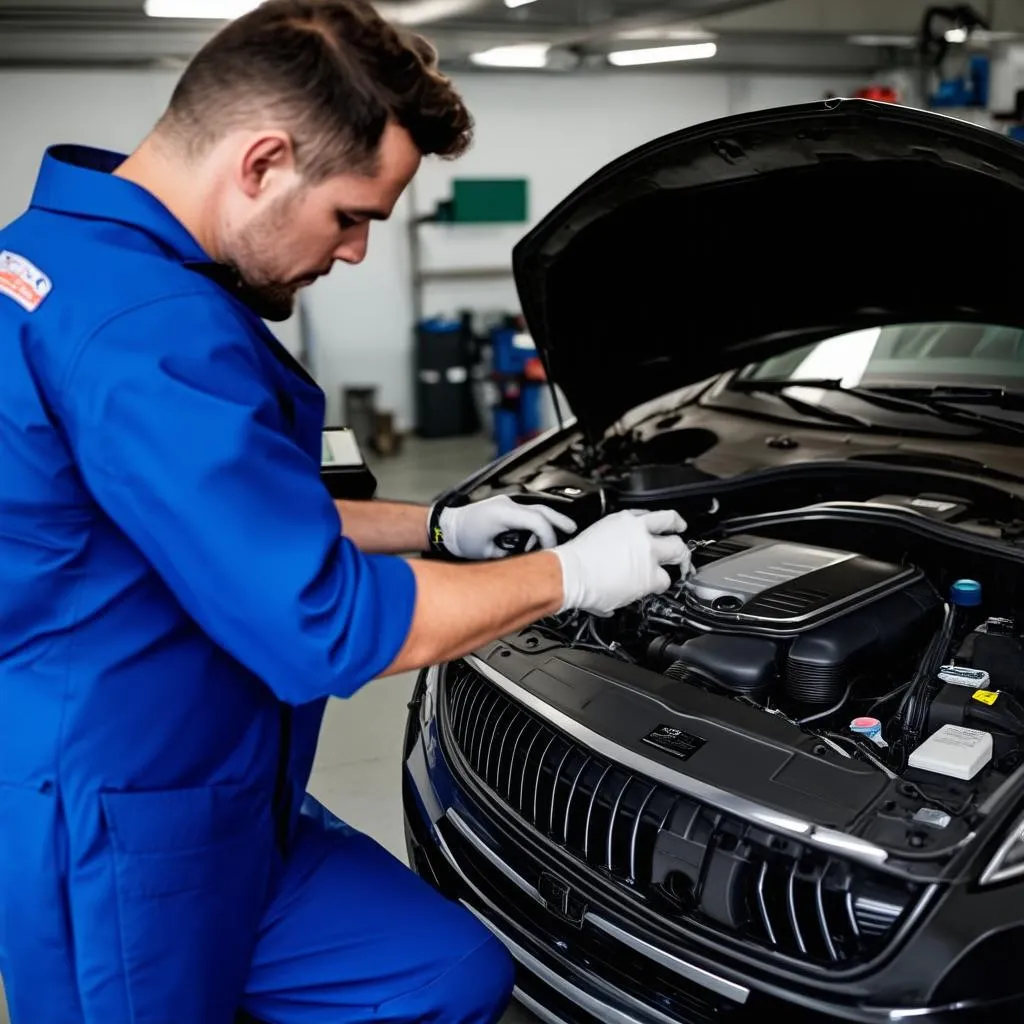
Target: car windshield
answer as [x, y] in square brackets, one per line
[906, 356]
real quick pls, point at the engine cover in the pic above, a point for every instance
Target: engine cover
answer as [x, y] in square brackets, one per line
[758, 584]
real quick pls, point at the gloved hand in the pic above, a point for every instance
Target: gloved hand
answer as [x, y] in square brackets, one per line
[619, 560]
[470, 531]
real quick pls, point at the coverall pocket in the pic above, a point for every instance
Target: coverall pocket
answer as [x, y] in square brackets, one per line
[192, 868]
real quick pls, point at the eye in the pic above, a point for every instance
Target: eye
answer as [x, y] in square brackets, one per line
[345, 220]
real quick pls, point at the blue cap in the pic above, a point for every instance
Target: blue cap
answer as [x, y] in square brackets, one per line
[867, 726]
[965, 593]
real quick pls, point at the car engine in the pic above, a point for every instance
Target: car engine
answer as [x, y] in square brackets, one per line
[866, 654]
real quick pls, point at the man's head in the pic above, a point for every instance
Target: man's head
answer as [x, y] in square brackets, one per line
[302, 122]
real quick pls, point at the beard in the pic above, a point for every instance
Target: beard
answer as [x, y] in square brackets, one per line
[251, 257]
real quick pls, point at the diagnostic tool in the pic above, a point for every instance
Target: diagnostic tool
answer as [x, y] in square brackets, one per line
[343, 468]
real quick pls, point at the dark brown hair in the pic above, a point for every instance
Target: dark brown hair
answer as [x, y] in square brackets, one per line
[330, 72]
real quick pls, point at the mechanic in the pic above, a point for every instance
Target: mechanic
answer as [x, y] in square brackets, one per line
[178, 597]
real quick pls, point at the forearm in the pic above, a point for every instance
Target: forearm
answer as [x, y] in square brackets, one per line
[384, 527]
[461, 607]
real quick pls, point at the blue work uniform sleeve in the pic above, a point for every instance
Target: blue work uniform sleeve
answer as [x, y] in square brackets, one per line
[178, 434]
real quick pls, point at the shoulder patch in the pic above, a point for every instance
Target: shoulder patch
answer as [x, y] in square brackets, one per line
[22, 281]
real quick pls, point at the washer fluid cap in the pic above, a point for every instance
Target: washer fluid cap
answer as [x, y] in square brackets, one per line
[867, 726]
[965, 593]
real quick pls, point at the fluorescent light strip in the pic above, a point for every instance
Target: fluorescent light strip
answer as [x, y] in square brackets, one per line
[524, 55]
[662, 54]
[408, 12]
[217, 10]
[518, 3]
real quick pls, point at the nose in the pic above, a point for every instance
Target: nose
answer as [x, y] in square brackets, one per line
[353, 248]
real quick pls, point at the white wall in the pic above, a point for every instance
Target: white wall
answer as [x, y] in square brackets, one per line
[554, 131]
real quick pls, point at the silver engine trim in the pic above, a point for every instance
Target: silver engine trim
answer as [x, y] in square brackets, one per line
[743, 576]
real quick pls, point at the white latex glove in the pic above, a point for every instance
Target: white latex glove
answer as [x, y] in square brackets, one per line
[469, 531]
[619, 560]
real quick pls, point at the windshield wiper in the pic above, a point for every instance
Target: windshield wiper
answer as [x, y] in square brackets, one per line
[965, 392]
[957, 403]
[938, 401]
[778, 388]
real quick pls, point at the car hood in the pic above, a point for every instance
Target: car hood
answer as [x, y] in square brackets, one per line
[732, 241]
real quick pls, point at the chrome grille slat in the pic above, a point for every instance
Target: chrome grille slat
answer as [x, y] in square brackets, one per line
[762, 904]
[818, 906]
[791, 906]
[854, 926]
[572, 793]
[458, 692]
[875, 916]
[612, 819]
[554, 789]
[636, 832]
[471, 727]
[483, 724]
[668, 814]
[590, 811]
[506, 711]
[512, 754]
[826, 931]
[469, 706]
[540, 769]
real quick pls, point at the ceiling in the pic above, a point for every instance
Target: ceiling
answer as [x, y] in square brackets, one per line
[794, 35]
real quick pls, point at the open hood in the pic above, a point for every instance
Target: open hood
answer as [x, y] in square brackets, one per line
[738, 239]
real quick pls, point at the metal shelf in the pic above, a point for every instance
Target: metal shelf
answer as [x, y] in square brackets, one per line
[463, 274]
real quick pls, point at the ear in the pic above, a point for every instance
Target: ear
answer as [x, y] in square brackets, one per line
[267, 156]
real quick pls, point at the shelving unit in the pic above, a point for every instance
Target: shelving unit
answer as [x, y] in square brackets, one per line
[422, 276]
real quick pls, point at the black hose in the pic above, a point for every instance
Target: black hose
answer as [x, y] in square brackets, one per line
[885, 698]
[914, 708]
[831, 711]
[860, 750]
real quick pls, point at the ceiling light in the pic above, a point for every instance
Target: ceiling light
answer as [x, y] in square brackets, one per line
[662, 54]
[523, 55]
[409, 12]
[218, 10]
[518, 3]
[884, 40]
[641, 34]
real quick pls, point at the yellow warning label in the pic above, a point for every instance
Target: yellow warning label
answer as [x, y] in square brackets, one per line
[985, 696]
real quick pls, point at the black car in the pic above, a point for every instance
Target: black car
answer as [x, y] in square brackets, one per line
[795, 781]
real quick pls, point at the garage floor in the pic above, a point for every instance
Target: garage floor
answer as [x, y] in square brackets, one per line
[357, 769]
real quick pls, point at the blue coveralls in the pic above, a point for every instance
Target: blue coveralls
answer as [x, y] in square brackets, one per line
[176, 603]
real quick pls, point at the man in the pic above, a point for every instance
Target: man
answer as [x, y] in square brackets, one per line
[177, 597]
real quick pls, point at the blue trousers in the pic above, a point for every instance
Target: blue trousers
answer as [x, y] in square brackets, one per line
[353, 936]
[347, 934]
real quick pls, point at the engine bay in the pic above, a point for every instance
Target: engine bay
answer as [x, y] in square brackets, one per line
[869, 661]
[848, 646]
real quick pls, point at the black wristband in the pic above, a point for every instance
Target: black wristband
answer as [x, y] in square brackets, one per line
[435, 535]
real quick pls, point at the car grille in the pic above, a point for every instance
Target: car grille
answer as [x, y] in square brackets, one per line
[689, 861]
[629, 972]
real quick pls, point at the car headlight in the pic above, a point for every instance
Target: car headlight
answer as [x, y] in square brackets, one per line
[1008, 861]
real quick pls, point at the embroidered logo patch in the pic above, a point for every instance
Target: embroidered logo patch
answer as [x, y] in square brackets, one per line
[22, 281]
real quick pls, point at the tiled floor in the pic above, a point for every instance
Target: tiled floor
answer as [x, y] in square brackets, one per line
[357, 769]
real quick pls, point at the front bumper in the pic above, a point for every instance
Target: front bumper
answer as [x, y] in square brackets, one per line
[583, 954]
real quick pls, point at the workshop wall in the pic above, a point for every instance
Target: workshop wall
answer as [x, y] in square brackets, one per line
[554, 131]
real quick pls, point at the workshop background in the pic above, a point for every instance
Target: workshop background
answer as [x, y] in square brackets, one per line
[420, 349]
